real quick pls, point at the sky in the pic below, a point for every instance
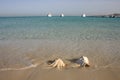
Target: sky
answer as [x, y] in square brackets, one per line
[56, 7]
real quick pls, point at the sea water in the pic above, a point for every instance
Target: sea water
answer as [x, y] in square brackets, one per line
[74, 28]
[72, 36]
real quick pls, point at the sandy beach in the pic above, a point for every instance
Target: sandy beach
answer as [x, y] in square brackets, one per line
[29, 61]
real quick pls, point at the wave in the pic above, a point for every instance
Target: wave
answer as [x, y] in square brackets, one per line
[23, 68]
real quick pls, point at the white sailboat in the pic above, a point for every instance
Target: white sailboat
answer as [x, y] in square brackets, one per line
[83, 15]
[62, 15]
[49, 15]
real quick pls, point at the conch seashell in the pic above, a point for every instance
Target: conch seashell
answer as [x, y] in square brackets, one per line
[83, 61]
[58, 63]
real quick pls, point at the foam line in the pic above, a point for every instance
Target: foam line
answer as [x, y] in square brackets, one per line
[23, 68]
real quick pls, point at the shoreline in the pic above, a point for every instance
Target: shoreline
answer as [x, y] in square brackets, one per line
[28, 52]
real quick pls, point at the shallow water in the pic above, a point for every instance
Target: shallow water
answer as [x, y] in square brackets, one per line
[25, 41]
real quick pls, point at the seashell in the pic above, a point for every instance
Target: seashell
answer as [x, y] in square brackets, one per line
[83, 61]
[58, 63]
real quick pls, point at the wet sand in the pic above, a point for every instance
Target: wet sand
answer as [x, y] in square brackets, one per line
[27, 60]
[66, 74]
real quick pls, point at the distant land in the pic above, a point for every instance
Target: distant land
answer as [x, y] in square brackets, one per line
[115, 15]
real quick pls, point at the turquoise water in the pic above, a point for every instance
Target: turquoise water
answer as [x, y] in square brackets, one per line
[24, 39]
[73, 28]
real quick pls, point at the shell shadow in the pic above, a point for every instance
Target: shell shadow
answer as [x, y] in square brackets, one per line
[50, 62]
[74, 60]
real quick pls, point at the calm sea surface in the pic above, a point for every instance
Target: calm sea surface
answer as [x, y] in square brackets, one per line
[95, 37]
[57, 28]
